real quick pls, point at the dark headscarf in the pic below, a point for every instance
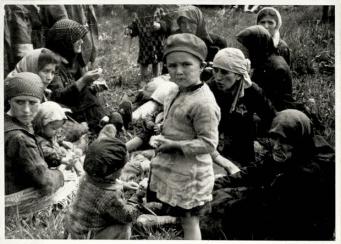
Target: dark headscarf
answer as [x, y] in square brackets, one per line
[63, 34]
[259, 43]
[294, 126]
[104, 157]
[195, 15]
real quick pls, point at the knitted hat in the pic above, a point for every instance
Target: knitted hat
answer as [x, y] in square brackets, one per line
[104, 157]
[24, 84]
[186, 43]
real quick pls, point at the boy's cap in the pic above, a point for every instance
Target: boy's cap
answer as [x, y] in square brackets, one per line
[186, 42]
[104, 157]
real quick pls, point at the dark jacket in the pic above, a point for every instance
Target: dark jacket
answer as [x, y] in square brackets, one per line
[238, 127]
[294, 201]
[24, 163]
[84, 104]
[271, 71]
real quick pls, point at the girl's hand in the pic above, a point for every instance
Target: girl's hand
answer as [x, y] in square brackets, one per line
[156, 26]
[167, 146]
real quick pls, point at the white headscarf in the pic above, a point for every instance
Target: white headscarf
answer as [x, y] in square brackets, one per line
[263, 12]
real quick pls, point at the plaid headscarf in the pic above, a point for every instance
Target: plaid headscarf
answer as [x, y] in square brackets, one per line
[62, 35]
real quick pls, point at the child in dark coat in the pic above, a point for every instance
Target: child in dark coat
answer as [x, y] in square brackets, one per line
[100, 210]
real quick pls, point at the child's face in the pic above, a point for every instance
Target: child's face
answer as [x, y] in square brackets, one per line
[52, 128]
[187, 26]
[269, 23]
[184, 68]
[47, 74]
[24, 108]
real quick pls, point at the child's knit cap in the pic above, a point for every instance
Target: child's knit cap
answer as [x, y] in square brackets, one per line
[24, 84]
[186, 42]
[104, 157]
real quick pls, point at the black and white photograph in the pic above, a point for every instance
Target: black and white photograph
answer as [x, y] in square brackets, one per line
[170, 121]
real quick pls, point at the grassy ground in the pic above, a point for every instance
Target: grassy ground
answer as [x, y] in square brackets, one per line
[313, 48]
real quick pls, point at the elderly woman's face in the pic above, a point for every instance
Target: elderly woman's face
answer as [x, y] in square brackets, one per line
[47, 74]
[225, 79]
[24, 108]
[269, 23]
[281, 150]
[77, 46]
[187, 26]
[184, 68]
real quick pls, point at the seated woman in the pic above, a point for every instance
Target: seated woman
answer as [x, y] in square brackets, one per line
[70, 87]
[290, 195]
[270, 71]
[25, 166]
[238, 98]
[271, 19]
[44, 63]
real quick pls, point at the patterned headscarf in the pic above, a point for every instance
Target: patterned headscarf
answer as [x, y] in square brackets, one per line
[30, 62]
[62, 35]
[48, 112]
[195, 15]
[273, 13]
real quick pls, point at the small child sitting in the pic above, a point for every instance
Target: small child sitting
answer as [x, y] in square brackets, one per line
[99, 210]
[47, 123]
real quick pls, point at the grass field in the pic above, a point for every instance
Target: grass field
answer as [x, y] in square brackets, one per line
[312, 47]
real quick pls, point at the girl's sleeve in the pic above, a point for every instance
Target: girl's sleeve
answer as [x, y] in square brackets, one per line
[205, 120]
[33, 165]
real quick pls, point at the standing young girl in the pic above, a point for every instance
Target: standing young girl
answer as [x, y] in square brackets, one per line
[182, 172]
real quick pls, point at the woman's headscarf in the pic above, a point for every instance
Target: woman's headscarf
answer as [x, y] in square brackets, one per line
[233, 60]
[258, 41]
[273, 13]
[30, 62]
[296, 128]
[48, 112]
[62, 35]
[195, 15]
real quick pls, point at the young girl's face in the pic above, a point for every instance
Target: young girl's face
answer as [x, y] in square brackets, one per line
[51, 129]
[225, 79]
[187, 26]
[47, 74]
[184, 68]
[24, 108]
[77, 46]
[269, 23]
